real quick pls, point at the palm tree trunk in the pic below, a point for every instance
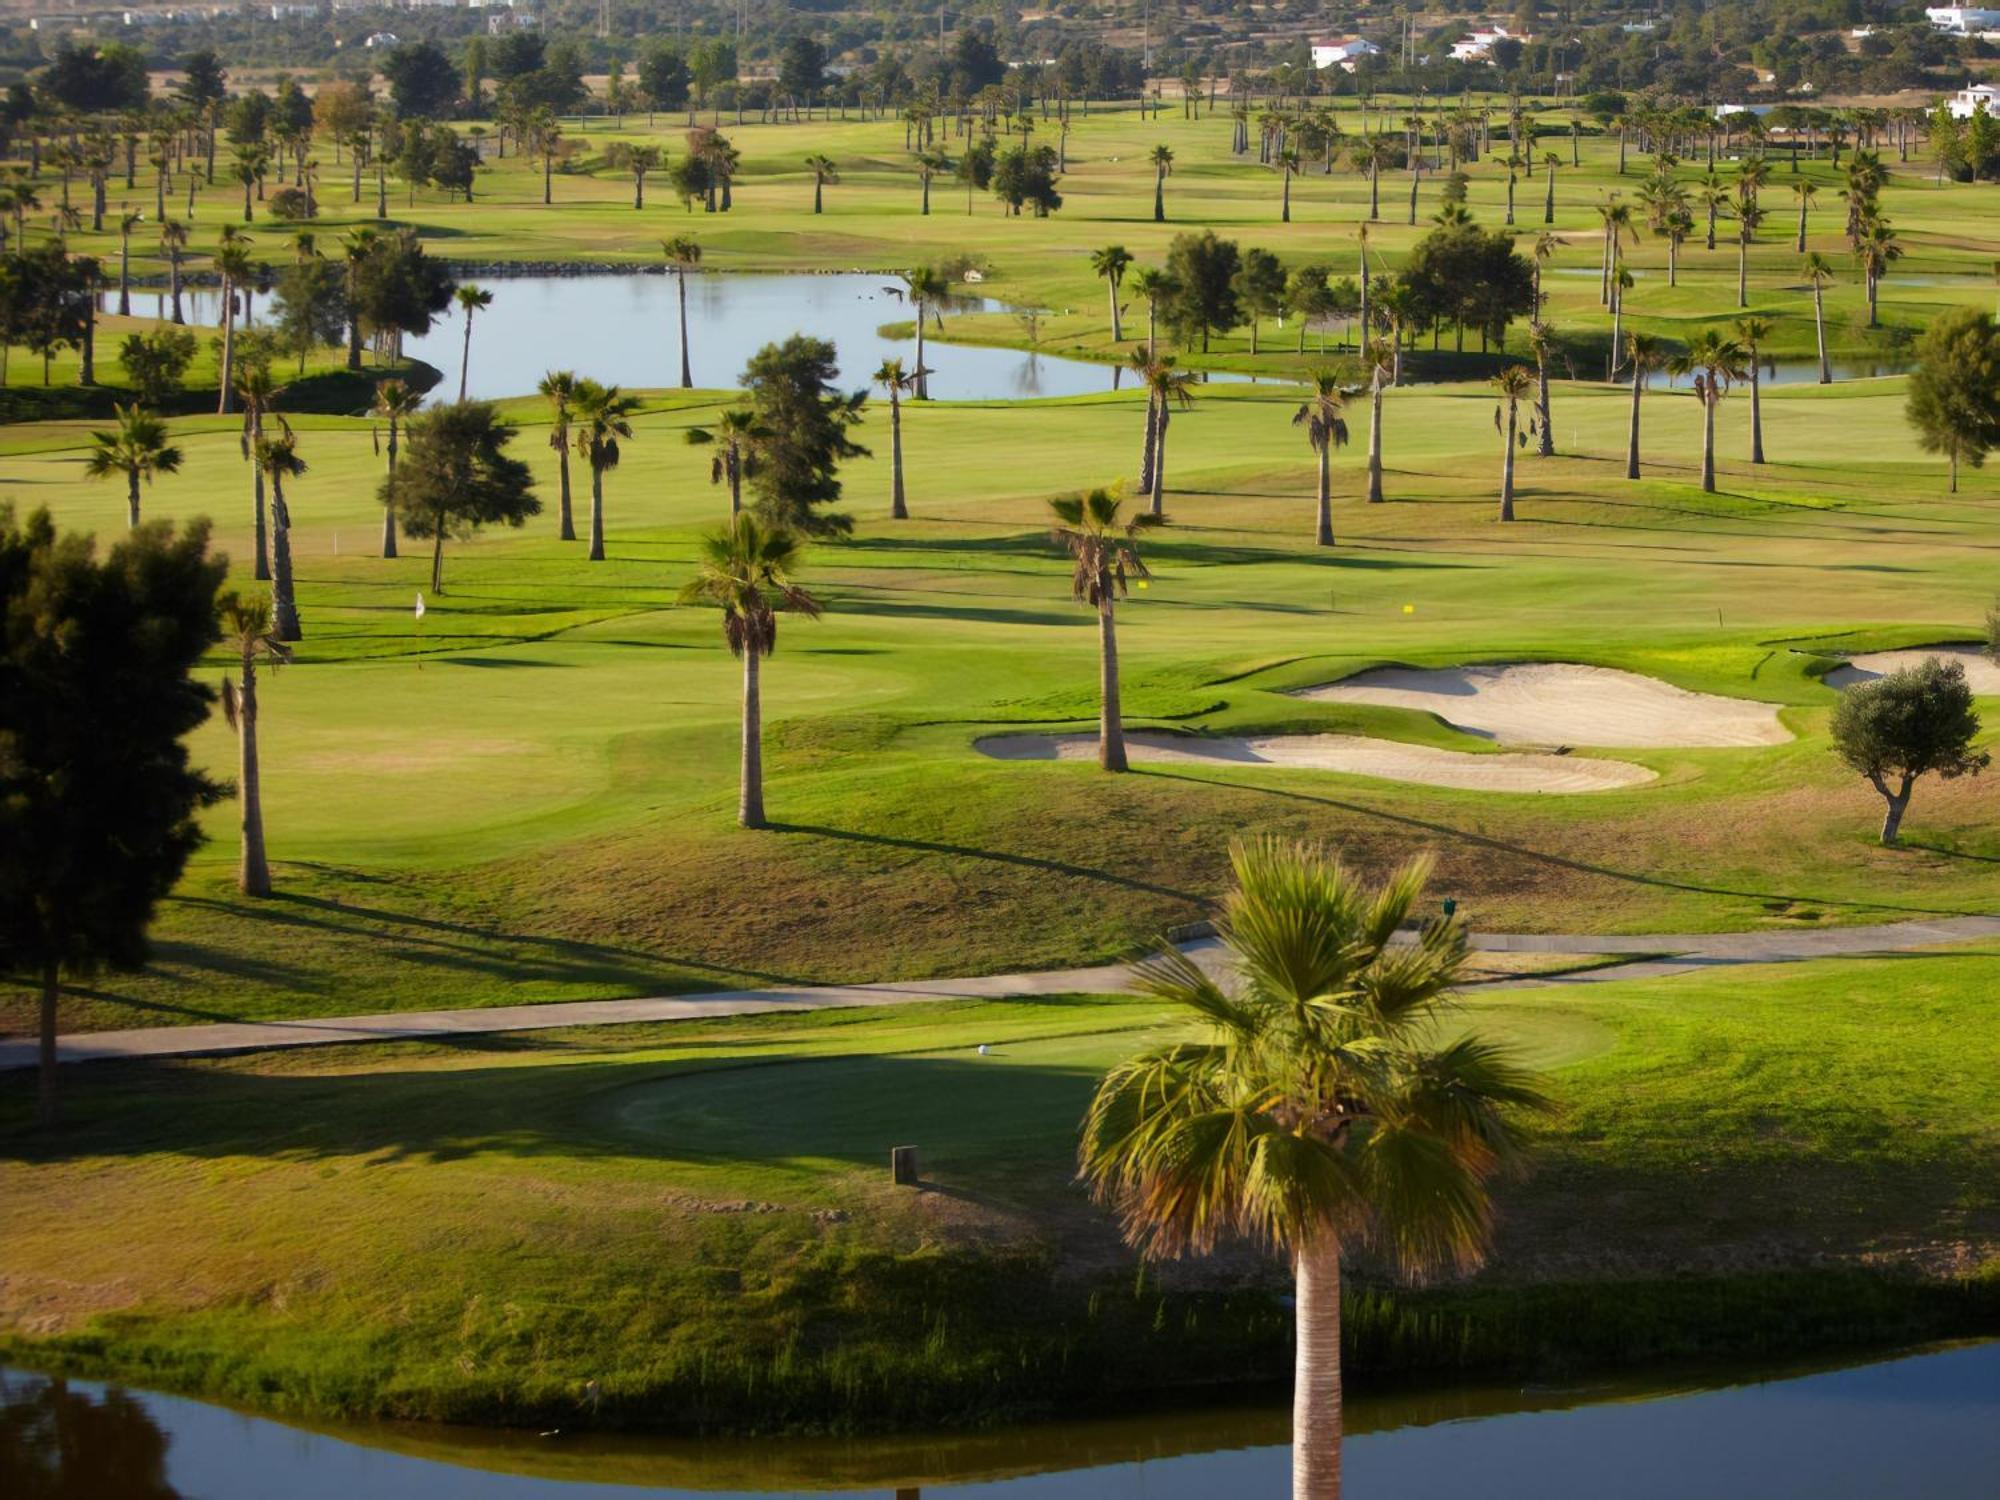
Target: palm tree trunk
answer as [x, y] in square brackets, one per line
[1117, 332]
[1507, 468]
[1549, 203]
[750, 787]
[174, 283]
[1110, 718]
[566, 531]
[734, 464]
[389, 511]
[1375, 440]
[1819, 329]
[1146, 453]
[1742, 272]
[923, 390]
[253, 872]
[1802, 227]
[465, 362]
[687, 375]
[1158, 503]
[1756, 413]
[1707, 445]
[1286, 215]
[228, 348]
[284, 601]
[596, 514]
[437, 557]
[47, 1108]
[1316, 1386]
[1632, 432]
[1323, 534]
[132, 499]
[125, 277]
[898, 511]
[1159, 196]
[1545, 441]
[263, 559]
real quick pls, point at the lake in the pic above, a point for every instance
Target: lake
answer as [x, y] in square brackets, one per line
[1926, 1424]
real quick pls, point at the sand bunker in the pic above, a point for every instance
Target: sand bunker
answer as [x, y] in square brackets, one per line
[1981, 671]
[1501, 772]
[1561, 703]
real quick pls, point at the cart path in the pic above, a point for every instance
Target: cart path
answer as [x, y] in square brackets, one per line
[1655, 956]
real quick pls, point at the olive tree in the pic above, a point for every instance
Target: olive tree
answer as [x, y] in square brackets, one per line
[1908, 724]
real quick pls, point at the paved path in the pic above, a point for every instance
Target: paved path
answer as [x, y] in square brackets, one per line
[1669, 954]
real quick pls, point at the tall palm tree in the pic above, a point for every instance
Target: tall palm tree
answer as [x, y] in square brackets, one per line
[746, 571]
[1371, 157]
[1289, 165]
[127, 222]
[1551, 160]
[558, 388]
[1101, 542]
[894, 379]
[1334, 1101]
[824, 171]
[1715, 362]
[930, 164]
[1515, 384]
[1111, 262]
[233, 262]
[279, 460]
[1378, 364]
[1166, 387]
[1326, 429]
[1806, 191]
[603, 417]
[1645, 354]
[1542, 344]
[247, 630]
[1753, 331]
[1818, 271]
[1875, 250]
[1748, 217]
[736, 436]
[470, 299]
[683, 254]
[1162, 158]
[138, 449]
[396, 401]
[1157, 287]
[258, 393]
[173, 239]
[1140, 362]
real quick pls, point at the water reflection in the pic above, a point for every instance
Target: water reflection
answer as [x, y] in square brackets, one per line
[1927, 1424]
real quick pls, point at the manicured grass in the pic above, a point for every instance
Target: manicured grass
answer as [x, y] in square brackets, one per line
[699, 1216]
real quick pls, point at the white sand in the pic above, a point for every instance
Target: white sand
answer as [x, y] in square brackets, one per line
[1981, 671]
[1561, 703]
[1504, 771]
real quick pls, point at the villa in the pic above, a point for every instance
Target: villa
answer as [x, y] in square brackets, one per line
[1965, 20]
[1477, 46]
[1968, 101]
[1343, 52]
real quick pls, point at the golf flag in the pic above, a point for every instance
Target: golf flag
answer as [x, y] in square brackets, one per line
[420, 606]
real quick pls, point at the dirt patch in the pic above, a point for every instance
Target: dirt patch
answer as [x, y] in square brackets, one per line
[1355, 755]
[1561, 703]
[1981, 671]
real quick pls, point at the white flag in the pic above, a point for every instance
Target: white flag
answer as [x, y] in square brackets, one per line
[420, 606]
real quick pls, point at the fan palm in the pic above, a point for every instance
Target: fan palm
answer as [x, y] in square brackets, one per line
[558, 388]
[683, 254]
[737, 436]
[1166, 388]
[279, 460]
[1327, 1106]
[138, 449]
[1157, 287]
[1645, 355]
[928, 292]
[470, 299]
[824, 171]
[233, 262]
[1551, 160]
[1542, 344]
[1378, 364]
[1111, 262]
[1806, 192]
[894, 379]
[1515, 384]
[1875, 250]
[247, 631]
[603, 418]
[173, 239]
[259, 395]
[1289, 165]
[1818, 271]
[1715, 362]
[1326, 429]
[1101, 542]
[1162, 158]
[1753, 331]
[746, 571]
[396, 401]
[127, 222]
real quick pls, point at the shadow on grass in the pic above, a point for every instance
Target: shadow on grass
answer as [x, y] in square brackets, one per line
[997, 856]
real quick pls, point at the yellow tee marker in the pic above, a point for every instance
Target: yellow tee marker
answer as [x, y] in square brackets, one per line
[1409, 609]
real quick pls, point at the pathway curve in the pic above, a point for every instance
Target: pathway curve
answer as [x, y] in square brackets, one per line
[1665, 954]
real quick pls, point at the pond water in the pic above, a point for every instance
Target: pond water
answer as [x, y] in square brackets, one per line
[1925, 1424]
[626, 329]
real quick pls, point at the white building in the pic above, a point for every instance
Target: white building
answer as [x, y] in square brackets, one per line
[381, 39]
[1343, 52]
[1477, 46]
[1963, 19]
[1967, 101]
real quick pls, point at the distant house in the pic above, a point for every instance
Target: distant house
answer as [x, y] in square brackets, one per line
[1477, 46]
[1962, 19]
[1967, 101]
[381, 39]
[1343, 52]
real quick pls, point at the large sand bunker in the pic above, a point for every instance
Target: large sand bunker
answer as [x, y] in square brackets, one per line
[1504, 771]
[1981, 671]
[1561, 703]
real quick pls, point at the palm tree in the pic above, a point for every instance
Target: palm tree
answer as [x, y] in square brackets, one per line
[1100, 540]
[1715, 362]
[1550, 160]
[1806, 192]
[1166, 388]
[396, 402]
[259, 395]
[1326, 429]
[1288, 164]
[1875, 249]
[746, 571]
[1542, 344]
[737, 436]
[470, 299]
[1334, 1101]
[1371, 157]
[278, 459]
[1515, 384]
[1111, 262]
[246, 629]
[1818, 271]
[683, 254]
[173, 239]
[928, 292]
[558, 388]
[1646, 355]
[602, 418]
[233, 261]
[894, 379]
[1753, 331]
[1162, 158]
[1748, 217]
[138, 449]
[1378, 364]
[1157, 287]
[824, 171]
[127, 222]
[930, 164]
